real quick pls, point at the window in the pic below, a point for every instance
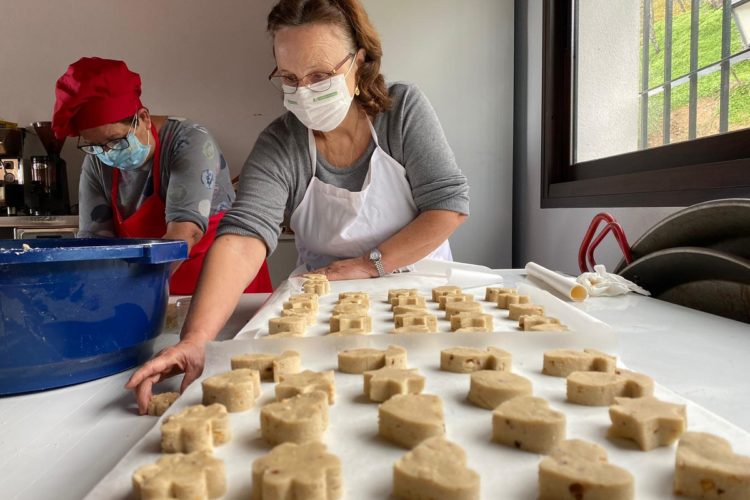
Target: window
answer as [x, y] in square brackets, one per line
[645, 102]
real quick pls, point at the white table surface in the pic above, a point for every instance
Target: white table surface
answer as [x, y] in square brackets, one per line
[60, 443]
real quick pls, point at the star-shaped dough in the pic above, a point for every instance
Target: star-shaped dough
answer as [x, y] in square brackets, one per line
[648, 421]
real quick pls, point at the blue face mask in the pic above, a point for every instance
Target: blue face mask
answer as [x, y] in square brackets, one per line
[131, 158]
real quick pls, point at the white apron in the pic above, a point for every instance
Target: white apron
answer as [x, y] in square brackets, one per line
[333, 223]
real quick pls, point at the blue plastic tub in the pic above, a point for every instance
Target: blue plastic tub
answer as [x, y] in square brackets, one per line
[73, 310]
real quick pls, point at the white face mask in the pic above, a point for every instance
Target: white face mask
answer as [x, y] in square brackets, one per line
[323, 111]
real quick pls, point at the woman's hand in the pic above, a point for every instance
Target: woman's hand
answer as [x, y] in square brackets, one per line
[349, 269]
[184, 357]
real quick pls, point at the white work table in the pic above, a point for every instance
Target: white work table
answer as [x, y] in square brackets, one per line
[60, 443]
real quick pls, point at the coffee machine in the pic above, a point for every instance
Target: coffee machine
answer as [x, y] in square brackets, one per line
[48, 187]
[11, 171]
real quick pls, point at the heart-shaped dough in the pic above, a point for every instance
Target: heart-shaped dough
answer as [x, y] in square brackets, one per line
[578, 469]
[706, 467]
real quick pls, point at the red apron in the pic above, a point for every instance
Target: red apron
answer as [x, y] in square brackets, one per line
[149, 222]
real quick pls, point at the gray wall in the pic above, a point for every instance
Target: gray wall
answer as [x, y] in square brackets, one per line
[551, 237]
[209, 61]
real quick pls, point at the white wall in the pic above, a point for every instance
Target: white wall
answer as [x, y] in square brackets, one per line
[209, 61]
[203, 60]
[461, 55]
[551, 237]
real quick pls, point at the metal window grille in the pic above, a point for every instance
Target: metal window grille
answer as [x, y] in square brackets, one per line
[724, 65]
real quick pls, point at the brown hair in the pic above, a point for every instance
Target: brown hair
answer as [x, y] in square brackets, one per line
[351, 17]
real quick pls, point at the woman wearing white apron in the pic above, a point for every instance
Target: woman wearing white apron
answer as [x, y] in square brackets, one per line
[363, 168]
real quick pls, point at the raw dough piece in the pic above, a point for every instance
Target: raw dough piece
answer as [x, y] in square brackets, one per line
[196, 428]
[409, 419]
[451, 298]
[309, 316]
[237, 389]
[436, 470]
[364, 302]
[472, 320]
[194, 475]
[470, 359]
[526, 322]
[515, 311]
[414, 329]
[406, 300]
[288, 324]
[601, 389]
[548, 327]
[442, 290]
[160, 403]
[350, 308]
[398, 310]
[305, 305]
[367, 359]
[563, 362]
[319, 288]
[307, 381]
[473, 329]
[299, 419]
[461, 307]
[504, 300]
[579, 470]
[490, 295]
[648, 421]
[706, 467]
[529, 424]
[297, 471]
[304, 297]
[387, 382]
[412, 319]
[355, 295]
[490, 388]
[270, 366]
[395, 292]
[348, 332]
[315, 277]
[351, 321]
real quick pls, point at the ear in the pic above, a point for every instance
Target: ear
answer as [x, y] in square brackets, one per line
[360, 56]
[145, 117]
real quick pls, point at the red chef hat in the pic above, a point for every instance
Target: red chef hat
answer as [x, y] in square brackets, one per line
[94, 92]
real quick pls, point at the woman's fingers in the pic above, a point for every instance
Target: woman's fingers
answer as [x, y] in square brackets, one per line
[143, 393]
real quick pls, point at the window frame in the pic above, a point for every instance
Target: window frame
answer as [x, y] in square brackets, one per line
[677, 174]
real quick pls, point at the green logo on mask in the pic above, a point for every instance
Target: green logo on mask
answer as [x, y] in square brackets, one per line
[327, 96]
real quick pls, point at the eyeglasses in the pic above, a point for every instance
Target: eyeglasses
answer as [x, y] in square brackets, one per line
[318, 81]
[113, 145]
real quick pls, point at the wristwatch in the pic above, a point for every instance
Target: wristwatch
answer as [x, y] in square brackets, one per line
[375, 258]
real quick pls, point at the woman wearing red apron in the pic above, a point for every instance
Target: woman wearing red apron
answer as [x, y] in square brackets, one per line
[144, 176]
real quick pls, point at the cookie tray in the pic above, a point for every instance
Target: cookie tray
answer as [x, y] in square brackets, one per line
[368, 460]
[471, 278]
